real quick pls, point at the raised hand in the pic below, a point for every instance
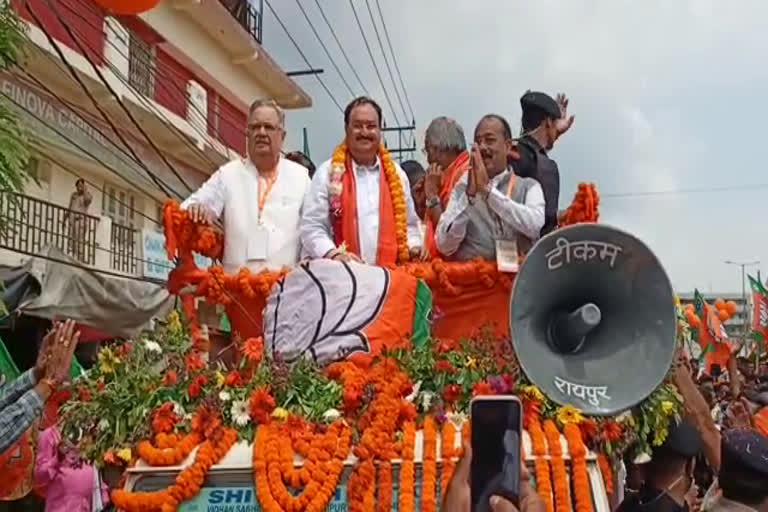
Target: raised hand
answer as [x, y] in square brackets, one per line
[478, 175]
[564, 123]
[201, 213]
[45, 352]
[433, 181]
[65, 340]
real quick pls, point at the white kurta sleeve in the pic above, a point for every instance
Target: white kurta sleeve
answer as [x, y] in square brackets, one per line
[414, 233]
[452, 227]
[315, 229]
[212, 194]
[527, 218]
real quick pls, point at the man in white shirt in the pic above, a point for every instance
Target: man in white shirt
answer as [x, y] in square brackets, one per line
[260, 197]
[359, 206]
[492, 213]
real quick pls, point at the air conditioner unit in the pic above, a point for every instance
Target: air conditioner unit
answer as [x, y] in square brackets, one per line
[197, 109]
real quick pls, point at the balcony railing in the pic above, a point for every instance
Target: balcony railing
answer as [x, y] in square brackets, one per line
[123, 244]
[249, 14]
[28, 225]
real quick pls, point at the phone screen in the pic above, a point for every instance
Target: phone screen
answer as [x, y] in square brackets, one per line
[496, 434]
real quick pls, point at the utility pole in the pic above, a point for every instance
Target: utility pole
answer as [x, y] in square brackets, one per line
[406, 141]
[746, 315]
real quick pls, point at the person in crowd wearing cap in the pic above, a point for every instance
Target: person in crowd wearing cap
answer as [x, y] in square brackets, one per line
[669, 478]
[448, 158]
[492, 214]
[544, 121]
[743, 479]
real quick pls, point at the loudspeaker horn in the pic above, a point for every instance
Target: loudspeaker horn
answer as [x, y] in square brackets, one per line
[593, 319]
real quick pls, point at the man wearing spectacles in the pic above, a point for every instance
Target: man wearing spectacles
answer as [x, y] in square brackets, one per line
[260, 197]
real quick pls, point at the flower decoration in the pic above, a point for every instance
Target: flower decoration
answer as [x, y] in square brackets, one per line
[253, 349]
[568, 414]
[240, 412]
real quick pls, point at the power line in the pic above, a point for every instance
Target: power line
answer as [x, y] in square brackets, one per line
[325, 48]
[159, 183]
[341, 47]
[108, 86]
[386, 60]
[373, 61]
[394, 60]
[306, 60]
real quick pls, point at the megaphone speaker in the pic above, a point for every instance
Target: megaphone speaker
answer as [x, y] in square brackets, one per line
[593, 319]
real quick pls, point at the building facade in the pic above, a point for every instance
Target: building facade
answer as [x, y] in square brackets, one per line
[736, 324]
[142, 108]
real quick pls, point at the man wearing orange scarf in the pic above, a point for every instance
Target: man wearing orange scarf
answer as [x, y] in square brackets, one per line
[359, 206]
[446, 149]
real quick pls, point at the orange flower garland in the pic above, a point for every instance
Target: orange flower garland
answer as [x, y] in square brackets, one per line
[338, 167]
[448, 452]
[429, 466]
[559, 471]
[167, 452]
[606, 471]
[407, 470]
[578, 452]
[540, 464]
[585, 206]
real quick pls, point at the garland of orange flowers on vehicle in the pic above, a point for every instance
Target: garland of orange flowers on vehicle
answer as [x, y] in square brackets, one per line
[559, 471]
[447, 452]
[407, 468]
[183, 236]
[606, 471]
[585, 206]
[581, 490]
[540, 464]
[273, 465]
[335, 191]
[429, 465]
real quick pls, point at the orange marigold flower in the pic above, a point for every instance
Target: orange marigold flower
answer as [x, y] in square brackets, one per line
[196, 387]
[612, 431]
[253, 349]
[234, 379]
[194, 362]
[447, 345]
[262, 405]
[482, 388]
[588, 430]
[170, 379]
[164, 419]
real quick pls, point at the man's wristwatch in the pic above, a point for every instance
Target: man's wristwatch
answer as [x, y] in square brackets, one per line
[433, 202]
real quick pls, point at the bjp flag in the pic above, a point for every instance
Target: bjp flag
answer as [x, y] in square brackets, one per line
[759, 310]
[712, 336]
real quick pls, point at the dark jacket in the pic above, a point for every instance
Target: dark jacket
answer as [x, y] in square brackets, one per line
[535, 163]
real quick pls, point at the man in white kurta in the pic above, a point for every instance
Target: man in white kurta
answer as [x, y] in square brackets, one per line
[259, 197]
[363, 127]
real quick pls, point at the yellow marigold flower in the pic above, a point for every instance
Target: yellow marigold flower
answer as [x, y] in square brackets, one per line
[660, 436]
[280, 414]
[471, 363]
[174, 321]
[125, 455]
[107, 360]
[667, 407]
[568, 414]
[533, 393]
[220, 379]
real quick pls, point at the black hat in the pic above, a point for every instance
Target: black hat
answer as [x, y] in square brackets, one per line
[683, 440]
[540, 101]
[744, 456]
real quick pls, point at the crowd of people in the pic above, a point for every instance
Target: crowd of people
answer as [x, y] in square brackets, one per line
[490, 200]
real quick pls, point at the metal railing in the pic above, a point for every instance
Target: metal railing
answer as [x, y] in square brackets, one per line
[28, 225]
[123, 243]
[250, 15]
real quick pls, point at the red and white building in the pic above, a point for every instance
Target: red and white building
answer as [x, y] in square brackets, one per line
[186, 71]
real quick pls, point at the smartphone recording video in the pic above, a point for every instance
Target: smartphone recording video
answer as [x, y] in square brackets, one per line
[496, 437]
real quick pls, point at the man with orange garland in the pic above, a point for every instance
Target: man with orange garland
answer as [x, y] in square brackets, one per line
[448, 158]
[359, 206]
[260, 197]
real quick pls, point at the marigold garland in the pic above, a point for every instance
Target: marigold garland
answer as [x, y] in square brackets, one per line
[559, 471]
[585, 206]
[448, 452]
[540, 464]
[429, 465]
[407, 471]
[578, 452]
[335, 190]
[168, 452]
[606, 471]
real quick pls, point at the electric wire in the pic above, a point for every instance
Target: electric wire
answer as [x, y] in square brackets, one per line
[394, 61]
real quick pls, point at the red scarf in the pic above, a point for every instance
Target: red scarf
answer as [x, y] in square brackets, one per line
[347, 227]
[451, 177]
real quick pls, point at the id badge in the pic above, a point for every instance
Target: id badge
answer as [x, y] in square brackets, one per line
[258, 243]
[506, 256]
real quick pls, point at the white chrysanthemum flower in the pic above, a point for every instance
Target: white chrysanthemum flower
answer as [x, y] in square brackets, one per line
[104, 425]
[426, 400]
[412, 396]
[224, 396]
[240, 413]
[331, 415]
[153, 346]
[178, 410]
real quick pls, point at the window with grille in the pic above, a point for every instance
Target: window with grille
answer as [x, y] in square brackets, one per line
[140, 64]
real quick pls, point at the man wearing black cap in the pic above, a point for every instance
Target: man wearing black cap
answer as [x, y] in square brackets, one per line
[743, 479]
[544, 121]
[669, 474]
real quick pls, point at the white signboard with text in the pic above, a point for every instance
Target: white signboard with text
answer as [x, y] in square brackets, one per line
[156, 264]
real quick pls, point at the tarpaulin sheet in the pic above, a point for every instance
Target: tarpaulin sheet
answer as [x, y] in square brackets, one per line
[118, 306]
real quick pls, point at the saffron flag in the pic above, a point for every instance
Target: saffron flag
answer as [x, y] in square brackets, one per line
[712, 336]
[759, 310]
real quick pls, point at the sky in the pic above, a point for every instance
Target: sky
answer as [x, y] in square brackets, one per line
[668, 96]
